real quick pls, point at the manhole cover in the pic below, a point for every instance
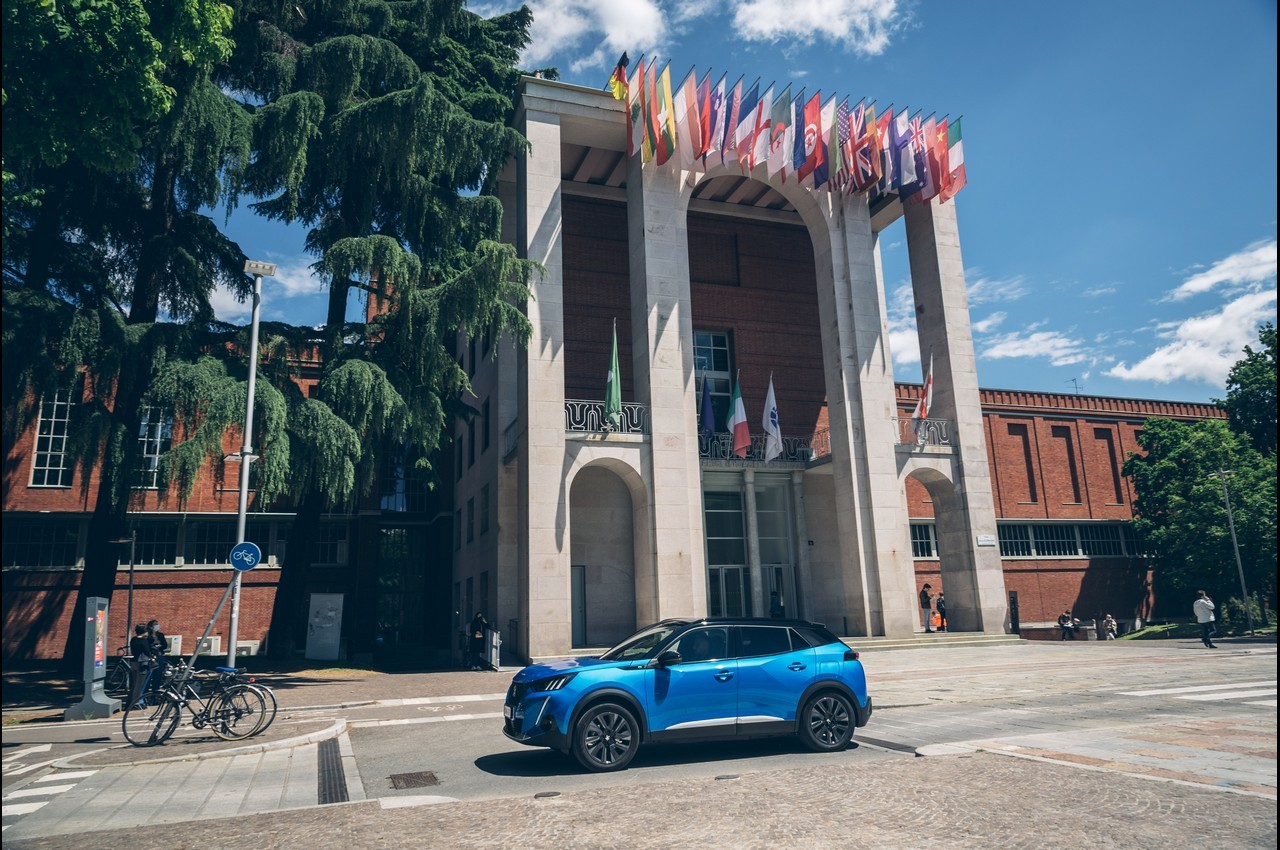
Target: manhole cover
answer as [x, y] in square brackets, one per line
[421, 779]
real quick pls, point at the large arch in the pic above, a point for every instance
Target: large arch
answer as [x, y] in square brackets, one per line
[959, 571]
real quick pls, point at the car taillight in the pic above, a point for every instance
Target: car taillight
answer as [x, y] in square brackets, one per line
[851, 655]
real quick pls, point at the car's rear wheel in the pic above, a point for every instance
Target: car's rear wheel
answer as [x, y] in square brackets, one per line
[606, 737]
[826, 723]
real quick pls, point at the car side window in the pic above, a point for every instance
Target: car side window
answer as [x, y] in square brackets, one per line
[702, 645]
[763, 640]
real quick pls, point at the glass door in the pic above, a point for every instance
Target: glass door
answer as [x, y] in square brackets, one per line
[728, 579]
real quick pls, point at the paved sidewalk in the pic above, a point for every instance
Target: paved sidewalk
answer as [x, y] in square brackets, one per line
[974, 801]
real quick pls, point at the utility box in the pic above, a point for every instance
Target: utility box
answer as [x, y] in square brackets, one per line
[492, 647]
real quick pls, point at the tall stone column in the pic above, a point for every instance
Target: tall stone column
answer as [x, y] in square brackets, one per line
[662, 349]
[802, 604]
[972, 575]
[542, 486]
[753, 542]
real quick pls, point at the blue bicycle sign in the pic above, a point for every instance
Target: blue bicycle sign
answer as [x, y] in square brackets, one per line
[245, 556]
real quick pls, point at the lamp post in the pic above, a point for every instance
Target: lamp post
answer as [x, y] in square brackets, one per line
[132, 540]
[1222, 475]
[259, 271]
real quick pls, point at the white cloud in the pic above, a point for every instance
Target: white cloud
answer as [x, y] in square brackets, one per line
[293, 280]
[564, 29]
[860, 26]
[1059, 349]
[1098, 291]
[1249, 267]
[989, 323]
[1204, 348]
[904, 342]
[984, 290]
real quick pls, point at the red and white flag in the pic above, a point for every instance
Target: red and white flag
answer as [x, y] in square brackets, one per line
[921, 412]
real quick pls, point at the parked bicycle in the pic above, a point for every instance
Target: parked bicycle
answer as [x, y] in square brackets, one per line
[119, 680]
[230, 709]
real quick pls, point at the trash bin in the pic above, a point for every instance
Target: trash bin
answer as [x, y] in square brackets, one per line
[492, 647]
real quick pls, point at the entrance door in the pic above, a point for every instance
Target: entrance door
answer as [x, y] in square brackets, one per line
[729, 592]
[579, 604]
[781, 578]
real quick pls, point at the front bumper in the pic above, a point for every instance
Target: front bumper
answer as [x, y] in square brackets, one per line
[534, 723]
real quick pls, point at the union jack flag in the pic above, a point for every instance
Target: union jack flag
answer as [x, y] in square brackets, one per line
[859, 122]
[919, 143]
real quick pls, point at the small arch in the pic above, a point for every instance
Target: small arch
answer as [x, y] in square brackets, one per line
[957, 576]
[603, 536]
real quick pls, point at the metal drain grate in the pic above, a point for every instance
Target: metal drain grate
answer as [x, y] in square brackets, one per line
[331, 779]
[421, 779]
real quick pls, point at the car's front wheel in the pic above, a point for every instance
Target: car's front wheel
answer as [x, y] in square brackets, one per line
[606, 737]
[826, 723]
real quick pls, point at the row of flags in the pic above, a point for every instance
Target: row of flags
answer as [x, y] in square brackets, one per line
[823, 144]
[737, 421]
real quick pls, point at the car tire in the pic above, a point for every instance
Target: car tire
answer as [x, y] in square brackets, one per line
[826, 722]
[606, 737]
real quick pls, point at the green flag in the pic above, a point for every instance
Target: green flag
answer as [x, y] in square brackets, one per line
[612, 388]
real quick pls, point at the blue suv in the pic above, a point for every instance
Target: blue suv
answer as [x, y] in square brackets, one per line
[686, 680]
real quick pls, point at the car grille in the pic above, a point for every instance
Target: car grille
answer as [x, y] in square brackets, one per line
[517, 692]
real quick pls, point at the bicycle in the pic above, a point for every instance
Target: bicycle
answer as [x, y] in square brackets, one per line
[233, 711]
[119, 680]
[236, 675]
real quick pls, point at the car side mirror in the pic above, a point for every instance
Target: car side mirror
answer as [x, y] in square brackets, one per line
[668, 658]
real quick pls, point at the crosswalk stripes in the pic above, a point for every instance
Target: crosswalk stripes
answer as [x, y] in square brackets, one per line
[24, 801]
[1215, 693]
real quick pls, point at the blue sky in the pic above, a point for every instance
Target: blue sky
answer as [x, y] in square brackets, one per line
[1119, 224]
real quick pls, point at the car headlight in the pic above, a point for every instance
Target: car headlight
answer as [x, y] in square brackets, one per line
[555, 683]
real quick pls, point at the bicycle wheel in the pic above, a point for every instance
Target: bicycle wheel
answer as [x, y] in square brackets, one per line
[151, 720]
[271, 707]
[119, 681]
[237, 712]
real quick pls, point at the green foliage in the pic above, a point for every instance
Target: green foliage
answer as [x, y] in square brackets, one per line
[1251, 392]
[1181, 514]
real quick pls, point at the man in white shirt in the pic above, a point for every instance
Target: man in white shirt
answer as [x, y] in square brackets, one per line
[1203, 608]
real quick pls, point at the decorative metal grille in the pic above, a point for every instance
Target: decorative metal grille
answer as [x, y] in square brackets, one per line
[923, 432]
[588, 416]
[720, 447]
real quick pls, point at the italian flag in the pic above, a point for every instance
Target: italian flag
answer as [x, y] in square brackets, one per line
[738, 422]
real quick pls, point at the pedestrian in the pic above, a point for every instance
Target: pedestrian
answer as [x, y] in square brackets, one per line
[775, 605]
[1111, 627]
[940, 605]
[1203, 608]
[159, 649]
[143, 665]
[475, 640]
[1068, 625]
[926, 606]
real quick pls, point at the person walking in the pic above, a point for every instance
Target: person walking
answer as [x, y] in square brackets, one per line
[926, 607]
[1203, 609]
[940, 605]
[475, 640]
[159, 649]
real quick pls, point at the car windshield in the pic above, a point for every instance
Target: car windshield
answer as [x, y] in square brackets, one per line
[642, 643]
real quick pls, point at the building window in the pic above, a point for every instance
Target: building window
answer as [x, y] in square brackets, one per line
[457, 529]
[471, 520]
[1015, 541]
[208, 542]
[155, 436]
[458, 462]
[711, 361]
[923, 540]
[484, 509]
[1101, 541]
[471, 442]
[484, 592]
[157, 544]
[1055, 541]
[331, 543]
[32, 542]
[486, 341]
[484, 425]
[50, 467]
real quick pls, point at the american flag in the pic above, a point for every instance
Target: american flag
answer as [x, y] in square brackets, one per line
[842, 178]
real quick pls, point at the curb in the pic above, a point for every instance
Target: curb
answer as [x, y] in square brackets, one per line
[338, 727]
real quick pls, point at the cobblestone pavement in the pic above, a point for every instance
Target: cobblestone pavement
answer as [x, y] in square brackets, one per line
[975, 800]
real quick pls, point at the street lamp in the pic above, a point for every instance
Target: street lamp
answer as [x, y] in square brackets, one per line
[259, 271]
[1222, 475]
[132, 540]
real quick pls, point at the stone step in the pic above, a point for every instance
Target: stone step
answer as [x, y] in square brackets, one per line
[941, 640]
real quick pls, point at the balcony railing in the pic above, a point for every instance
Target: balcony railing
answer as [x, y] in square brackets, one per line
[720, 447]
[923, 432]
[588, 417]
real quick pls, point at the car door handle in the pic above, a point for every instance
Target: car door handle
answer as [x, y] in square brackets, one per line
[724, 675]
[796, 665]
